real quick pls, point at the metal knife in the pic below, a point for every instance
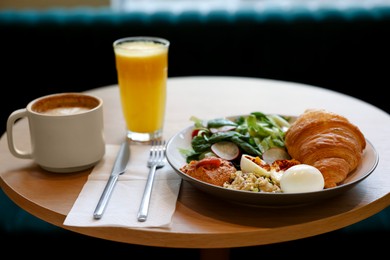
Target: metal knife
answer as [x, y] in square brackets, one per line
[119, 168]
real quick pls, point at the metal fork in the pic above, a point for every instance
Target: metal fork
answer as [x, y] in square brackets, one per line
[156, 161]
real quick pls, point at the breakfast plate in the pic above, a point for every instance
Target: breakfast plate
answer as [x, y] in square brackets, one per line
[182, 140]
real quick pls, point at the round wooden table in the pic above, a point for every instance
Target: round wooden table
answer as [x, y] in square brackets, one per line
[201, 221]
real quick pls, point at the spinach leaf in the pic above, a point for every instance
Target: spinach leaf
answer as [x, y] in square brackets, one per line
[215, 123]
[200, 144]
[245, 146]
[222, 136]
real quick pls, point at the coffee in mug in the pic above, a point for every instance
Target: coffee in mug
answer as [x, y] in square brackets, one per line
[66, 131]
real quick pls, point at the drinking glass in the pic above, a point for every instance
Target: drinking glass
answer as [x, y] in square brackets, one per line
[142, 70]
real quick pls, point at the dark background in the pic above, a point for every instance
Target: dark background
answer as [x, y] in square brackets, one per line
[44, 53]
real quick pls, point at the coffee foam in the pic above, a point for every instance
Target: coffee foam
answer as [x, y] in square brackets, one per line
[65, 111]
[67, 104]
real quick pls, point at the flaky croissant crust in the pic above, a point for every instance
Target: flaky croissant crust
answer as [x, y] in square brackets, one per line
[327, 141]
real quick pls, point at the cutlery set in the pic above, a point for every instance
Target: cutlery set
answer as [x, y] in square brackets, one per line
[155, 161]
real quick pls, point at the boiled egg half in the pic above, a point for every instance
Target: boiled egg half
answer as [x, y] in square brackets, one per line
[247, 164]
[301, 178]
[259, 167]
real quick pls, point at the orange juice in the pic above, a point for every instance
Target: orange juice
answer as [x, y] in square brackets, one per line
[142, 68]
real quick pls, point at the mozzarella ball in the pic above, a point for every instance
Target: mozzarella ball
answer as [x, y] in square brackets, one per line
[301, 178]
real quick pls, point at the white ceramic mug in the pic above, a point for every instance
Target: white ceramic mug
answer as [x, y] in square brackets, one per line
[66, 131]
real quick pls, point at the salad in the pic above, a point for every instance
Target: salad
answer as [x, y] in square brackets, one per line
[256, 134]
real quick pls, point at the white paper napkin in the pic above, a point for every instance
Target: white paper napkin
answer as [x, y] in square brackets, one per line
[123, 205]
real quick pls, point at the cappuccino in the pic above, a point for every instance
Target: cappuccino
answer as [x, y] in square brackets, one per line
[69, 104]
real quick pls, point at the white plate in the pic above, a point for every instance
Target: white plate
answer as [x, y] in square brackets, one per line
[177, 160]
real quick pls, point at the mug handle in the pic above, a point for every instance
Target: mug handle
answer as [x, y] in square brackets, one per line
[17, 114]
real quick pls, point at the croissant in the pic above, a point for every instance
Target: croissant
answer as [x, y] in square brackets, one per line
[327, 141]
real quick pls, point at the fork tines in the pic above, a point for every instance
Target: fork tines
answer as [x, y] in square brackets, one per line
[157, 151]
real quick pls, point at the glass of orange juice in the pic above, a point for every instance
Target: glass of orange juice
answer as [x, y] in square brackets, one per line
[142, 70]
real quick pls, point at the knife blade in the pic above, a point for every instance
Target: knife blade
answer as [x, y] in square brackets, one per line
[119, 168]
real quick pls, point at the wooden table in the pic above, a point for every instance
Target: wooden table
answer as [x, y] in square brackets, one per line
[201, 221]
